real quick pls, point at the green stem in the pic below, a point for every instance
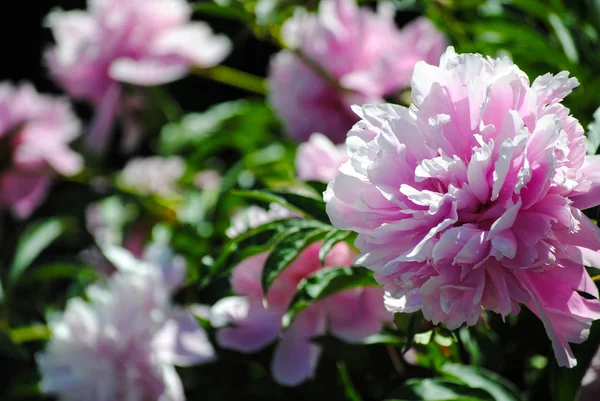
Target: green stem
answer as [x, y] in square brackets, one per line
[235, 78]
[38, 332]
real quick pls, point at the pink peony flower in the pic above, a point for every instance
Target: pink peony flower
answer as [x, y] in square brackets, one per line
[364, 52]
[319, 159]
[139, 42]
[470, 199]
[351, 315]
[123, 343]
[35, 131]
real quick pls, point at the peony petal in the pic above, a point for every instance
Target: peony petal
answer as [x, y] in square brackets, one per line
[295, 357]
[182, 341]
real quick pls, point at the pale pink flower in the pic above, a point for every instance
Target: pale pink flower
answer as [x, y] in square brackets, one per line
[153, 175]
[35, 132]
[319, 159]
[364, 52]
[138, 42]
[253, 324]
[470, 199]
[123, 343]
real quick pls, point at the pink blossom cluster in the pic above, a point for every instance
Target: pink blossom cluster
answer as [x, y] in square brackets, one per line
[35, 132]
[254, 320]
[124, 342]
[138, 42]
[471, 198]
[362, 57]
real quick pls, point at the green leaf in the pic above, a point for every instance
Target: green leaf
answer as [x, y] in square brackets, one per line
[439, 390]
[241, 124]
[255, 241]
[57, 271]
[331, 239]
[229, 11]
[593, 134]
[350, 391]
[265, 11]
[498, 387]
[325, 283]
[410, 324]
[37, 237]
[305, 205]
[38, 332]
[287, 249]
[564, 37]
[565, 382]
[384, 338]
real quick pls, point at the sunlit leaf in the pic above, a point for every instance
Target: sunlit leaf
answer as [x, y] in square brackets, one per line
[325, 283]
[36, 238]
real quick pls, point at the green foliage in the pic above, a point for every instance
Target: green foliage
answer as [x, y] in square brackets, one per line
[439, 390]
[325, 283]
[287, 249]
[242, 140]
[37, 237]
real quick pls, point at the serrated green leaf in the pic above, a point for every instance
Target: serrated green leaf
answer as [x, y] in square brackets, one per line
[305, 205]
[37, 237]
[439, 390]
[332, 238]
[498, 387]
[325, 283]
[287, 249]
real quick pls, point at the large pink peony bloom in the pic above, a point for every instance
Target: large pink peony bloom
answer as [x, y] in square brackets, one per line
[139, 42]
[123, 343]
[351, 315]
[363, 51]
[470, 199]
[319, 159]
[35, 131]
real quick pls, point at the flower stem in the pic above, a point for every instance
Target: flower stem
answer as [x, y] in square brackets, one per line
[235, 78]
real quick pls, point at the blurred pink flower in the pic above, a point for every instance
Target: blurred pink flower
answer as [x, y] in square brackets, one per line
[319, 159]
[351, 315]
[153, 175]
[208, 180]
[35, 131]
[471, 198]
[590, 385]
[364, 52]
[138, 42]
[123, 343]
